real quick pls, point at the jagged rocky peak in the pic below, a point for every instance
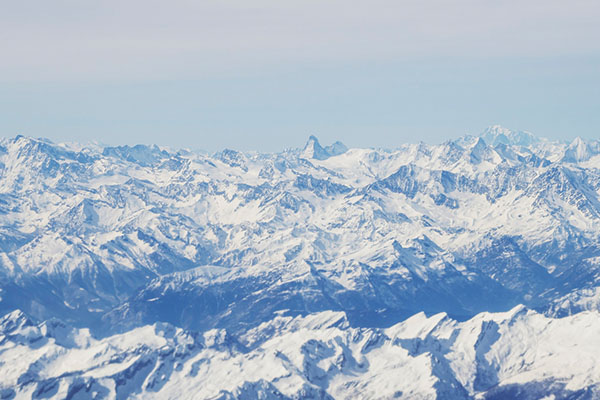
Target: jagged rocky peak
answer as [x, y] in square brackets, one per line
[314, 150]
[232, 158]
[480, 151]
[496, 134]
[140, 154]
[38, 157]
[27, 147]
[578, 150]
[336, 148]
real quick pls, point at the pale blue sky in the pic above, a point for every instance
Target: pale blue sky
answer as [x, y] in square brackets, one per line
[265, 75]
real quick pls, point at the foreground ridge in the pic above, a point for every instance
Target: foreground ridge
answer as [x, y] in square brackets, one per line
[492, 355]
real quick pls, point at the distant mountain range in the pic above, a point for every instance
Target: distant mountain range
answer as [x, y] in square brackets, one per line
[143, 271]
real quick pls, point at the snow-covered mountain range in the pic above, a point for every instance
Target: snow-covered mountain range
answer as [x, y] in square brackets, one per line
[125, 269]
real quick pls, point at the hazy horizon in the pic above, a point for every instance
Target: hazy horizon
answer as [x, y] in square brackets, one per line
[264, 76]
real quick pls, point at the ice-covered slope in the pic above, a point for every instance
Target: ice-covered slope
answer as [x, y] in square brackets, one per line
[516, 354]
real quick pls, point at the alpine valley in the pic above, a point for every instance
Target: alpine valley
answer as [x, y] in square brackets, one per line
[467, 269]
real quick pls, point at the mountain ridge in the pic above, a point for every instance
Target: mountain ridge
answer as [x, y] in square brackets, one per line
[317, 356]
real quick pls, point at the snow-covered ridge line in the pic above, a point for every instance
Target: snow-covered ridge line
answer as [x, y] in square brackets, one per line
[493, 135]
[498, 355]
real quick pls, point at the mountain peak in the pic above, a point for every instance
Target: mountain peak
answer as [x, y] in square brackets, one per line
[141, 154]
[577, 142]
[497, 130]
[497, 134]
[336, 148]
[577, 151]
[314, 150]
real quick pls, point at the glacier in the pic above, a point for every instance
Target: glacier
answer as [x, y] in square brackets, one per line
[466, 269]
